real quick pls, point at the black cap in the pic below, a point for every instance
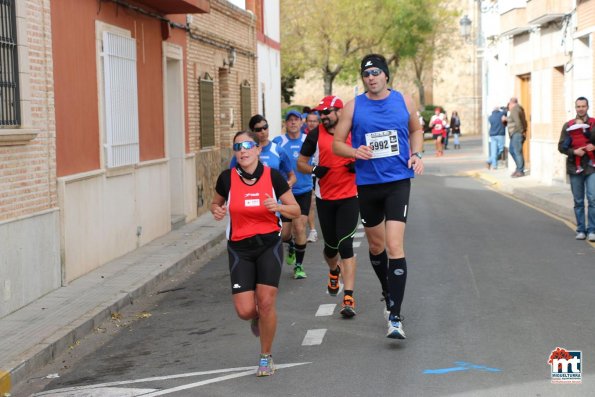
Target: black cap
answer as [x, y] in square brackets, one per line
[375, 61]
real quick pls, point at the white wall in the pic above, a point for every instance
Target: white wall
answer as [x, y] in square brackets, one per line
[269, 82]
[102, 214]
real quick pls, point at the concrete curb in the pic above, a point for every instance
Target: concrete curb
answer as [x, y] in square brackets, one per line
[123, 280]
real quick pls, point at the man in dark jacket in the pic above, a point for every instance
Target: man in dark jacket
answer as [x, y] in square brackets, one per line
[497, 131]
[584, 182]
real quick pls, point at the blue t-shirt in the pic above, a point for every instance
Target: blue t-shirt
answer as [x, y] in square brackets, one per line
[385, 123]
[292, 148]
[273, 156]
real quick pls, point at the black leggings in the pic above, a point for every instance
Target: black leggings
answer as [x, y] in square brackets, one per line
[338, 221]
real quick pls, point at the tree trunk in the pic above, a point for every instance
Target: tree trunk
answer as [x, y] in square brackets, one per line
[328, 83]
[422, 92]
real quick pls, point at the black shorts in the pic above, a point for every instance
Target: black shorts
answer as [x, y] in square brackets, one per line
[338, 221]
[384, 201]
[255, 260]
[305, 202]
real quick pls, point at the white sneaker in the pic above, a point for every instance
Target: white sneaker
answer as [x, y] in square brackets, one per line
[581, 236]
[313, 236]
[395, 329]
[592, 237]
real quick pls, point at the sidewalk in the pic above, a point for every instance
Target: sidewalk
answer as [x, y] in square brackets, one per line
[556, 199]
[35, 334]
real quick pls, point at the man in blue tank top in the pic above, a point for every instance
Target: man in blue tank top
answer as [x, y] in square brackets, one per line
[387, 144]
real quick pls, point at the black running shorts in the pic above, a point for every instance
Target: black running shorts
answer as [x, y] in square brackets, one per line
[255, 260]
[304, 201]
[384, 201]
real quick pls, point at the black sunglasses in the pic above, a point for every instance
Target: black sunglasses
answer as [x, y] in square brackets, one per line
[264, 127]
[373, 72]
[327, 111]
[247, 145]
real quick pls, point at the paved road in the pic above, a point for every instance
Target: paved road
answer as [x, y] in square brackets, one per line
[494, 286]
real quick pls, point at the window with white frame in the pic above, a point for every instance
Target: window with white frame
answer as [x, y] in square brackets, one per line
[120, 100]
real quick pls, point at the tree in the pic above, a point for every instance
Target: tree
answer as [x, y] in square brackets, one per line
[328, 35]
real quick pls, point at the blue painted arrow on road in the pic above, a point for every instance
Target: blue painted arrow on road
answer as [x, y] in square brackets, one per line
[461, 366]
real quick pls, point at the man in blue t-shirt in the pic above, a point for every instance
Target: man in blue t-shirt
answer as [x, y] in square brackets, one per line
[292, 142]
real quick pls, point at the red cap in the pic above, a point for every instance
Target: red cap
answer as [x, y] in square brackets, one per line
[330, 101]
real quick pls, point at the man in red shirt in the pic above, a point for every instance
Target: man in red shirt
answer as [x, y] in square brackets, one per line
[336, 200]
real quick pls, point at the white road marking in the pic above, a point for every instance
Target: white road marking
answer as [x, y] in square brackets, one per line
[103, 392]
[356, 244]
[325, 310]
[314, 337]
[359, 234]
[106, 388]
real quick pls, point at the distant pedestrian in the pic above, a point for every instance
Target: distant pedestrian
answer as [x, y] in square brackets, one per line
[250, 192]
[455, 128]
[386, 141]
[581, 183]
[517, 130]
[497, 132]
[438, 126]
[336, 201]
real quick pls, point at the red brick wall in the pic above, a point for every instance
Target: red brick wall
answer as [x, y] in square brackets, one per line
[27, 172]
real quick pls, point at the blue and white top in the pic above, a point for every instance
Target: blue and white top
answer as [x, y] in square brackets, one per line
[382, 125]
[292, 147]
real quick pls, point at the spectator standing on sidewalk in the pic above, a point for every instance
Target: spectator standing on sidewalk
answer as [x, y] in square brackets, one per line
[336, 200]
[517, 129]
[497, 132]
[386, 141]
[250, 191]
[583, 183]
[455, 128]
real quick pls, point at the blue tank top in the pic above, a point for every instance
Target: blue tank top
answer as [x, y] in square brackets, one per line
[385, 125]
[292, 148]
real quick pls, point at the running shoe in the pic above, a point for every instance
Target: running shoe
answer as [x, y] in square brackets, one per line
[299, 273]
[254, 327]
[266, 367]
[291, 258]
[333, 286]
[348, 309]
[395, 328]
[313, 236]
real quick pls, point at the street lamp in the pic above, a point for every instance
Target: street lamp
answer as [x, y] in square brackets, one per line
[465, 27]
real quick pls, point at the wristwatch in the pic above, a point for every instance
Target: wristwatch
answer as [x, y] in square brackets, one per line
[418, 154]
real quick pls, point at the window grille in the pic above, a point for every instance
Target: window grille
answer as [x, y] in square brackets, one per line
[207, 111]
[121, 100]
[245, 104]
[9, 69]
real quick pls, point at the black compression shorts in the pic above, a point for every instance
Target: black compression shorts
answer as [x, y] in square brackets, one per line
[338, 222]
[255, 260]
[384, 201]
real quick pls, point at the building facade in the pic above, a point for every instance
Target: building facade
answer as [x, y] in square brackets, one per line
[541, 52]
[222, 88]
